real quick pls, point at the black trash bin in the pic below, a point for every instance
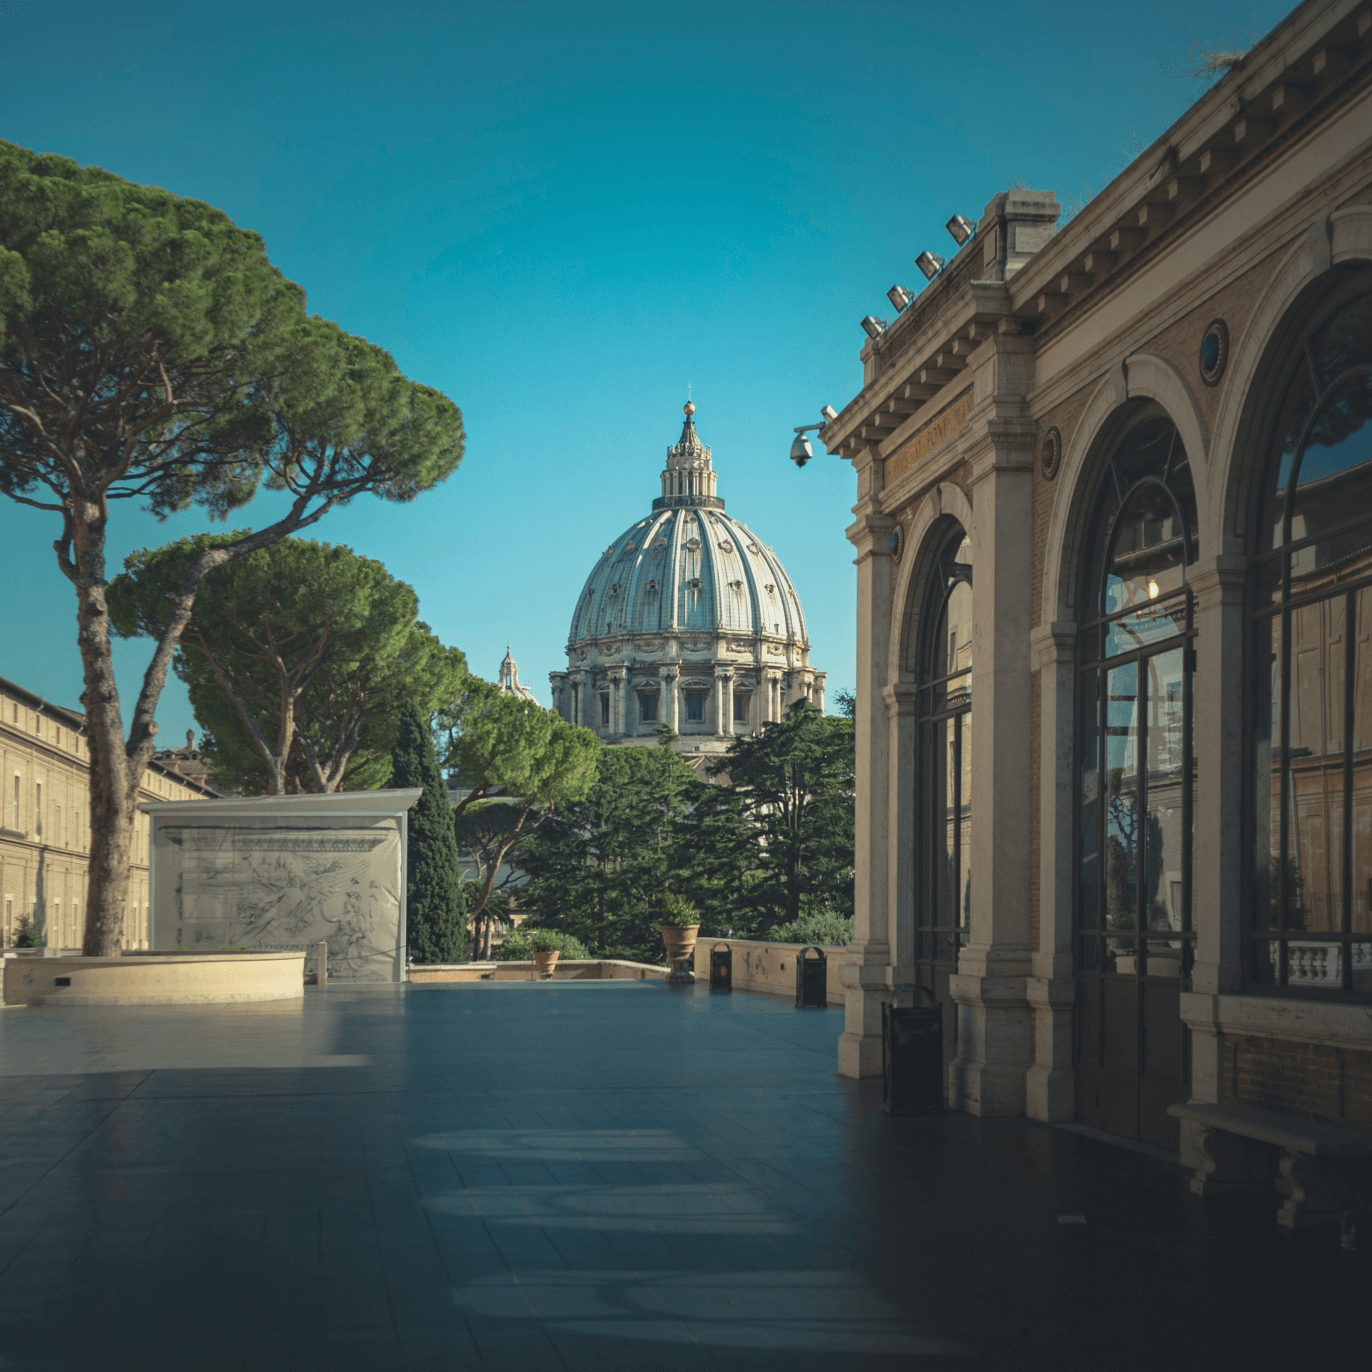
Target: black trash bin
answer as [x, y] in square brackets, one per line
[721, 967]
[912, 1056]
[812, 979]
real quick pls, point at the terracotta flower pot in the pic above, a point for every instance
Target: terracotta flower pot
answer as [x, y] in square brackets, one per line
[545, 962]
[681, 945]
[680, 940]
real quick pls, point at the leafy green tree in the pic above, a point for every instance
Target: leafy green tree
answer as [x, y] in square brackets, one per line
[520, 947]
[435, 918]
[823, 926]
[150, 351]
[781, 834]
[297, 657]
[600, 867]
[502, 745]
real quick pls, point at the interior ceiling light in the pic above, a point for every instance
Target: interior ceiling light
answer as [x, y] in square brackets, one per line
[873, 327]
[899, 297]
[930, 263]
[962, 229]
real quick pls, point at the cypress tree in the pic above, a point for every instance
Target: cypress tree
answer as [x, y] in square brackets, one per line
[435, 904]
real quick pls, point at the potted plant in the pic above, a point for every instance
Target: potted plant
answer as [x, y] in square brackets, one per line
[679, 921]
[546, 947]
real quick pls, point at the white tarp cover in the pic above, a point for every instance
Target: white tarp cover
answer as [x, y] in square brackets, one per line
[282, 881]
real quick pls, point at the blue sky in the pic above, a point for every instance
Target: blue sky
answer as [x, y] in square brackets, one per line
[562, 214]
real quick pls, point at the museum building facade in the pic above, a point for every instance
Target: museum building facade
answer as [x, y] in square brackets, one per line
[45, 821]
[1114, 619]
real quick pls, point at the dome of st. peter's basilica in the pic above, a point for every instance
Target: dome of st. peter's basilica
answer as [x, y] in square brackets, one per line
[688, 619]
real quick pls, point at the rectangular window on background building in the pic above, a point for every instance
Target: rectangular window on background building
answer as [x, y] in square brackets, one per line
[695, 708]
[38, 809]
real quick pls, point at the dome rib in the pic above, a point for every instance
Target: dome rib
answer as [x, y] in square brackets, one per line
[639, 606]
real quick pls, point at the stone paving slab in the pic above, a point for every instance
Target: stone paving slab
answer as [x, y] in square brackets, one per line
[598, 1176]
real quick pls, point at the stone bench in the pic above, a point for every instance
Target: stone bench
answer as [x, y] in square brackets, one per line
[1230, 1148]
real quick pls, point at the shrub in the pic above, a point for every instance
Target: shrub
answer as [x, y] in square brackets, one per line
[521, 947]
[26, 935]
[819, 926]
[677, 910]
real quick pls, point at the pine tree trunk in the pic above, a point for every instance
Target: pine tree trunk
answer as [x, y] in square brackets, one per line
[113, 781]
[117, 765]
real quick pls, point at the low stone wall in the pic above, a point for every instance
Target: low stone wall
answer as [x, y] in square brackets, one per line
[168, 979]
[576, 969]
[769, 967]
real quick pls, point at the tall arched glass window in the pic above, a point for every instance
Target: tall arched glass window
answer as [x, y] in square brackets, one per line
[943, 903]
[1136, 787]
[1311, 676]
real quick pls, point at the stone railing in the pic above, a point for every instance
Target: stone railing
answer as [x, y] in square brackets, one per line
[1321, 964]
[573, 969]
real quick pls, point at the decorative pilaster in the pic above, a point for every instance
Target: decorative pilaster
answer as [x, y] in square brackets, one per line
[1050, 1088]
[866, 973]
[995, 1047]
[900, 699]
[1219, 585]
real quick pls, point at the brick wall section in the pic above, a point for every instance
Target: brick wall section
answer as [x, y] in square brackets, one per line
[1310, 1081]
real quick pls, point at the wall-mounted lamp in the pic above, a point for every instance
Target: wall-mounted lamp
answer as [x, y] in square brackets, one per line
[962, 229]
[899, 297]
[930, 263]
[873, 327]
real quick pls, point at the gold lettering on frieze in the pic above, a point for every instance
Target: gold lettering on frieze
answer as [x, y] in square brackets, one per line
[938, 430]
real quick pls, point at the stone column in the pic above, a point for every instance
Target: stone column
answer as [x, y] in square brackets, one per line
[866, 973]
[994, 1021]
[725, 701]
[667, 711]
[1218, 846]
[617, 711]
[1050, 1086]
[576, 691]
[561, 694]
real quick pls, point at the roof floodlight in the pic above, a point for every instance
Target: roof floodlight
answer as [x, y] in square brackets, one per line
[961, 228]
[930, 263]
[828, 412]
[899, 297]
[873, 327]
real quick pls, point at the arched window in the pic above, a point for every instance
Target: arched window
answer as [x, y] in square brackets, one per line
[1135, 786]
[943, 902]
[1311, 677]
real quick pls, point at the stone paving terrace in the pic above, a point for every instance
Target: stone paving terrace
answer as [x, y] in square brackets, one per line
[595, 1176]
